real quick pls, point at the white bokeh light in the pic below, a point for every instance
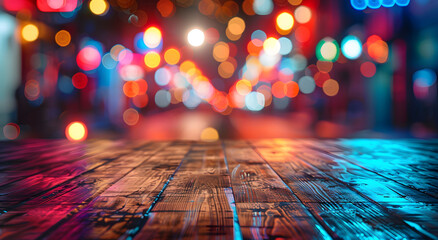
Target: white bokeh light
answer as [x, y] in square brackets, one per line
[196, 37]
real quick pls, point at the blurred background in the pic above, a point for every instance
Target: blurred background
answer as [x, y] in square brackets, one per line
[208, 69]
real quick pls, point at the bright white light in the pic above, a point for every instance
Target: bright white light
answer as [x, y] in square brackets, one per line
[351, 47]
[196, 37]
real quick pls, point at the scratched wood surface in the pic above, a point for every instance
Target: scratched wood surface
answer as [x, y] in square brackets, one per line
[233, 189]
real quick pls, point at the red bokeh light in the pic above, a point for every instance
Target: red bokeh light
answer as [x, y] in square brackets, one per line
[88, 58]
[56, 5]
[79, 80]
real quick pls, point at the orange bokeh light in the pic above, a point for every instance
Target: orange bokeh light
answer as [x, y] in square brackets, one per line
[131, 89]
[76, 132]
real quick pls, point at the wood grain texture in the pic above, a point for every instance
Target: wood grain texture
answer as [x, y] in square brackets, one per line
[260, 189]
[320, 187]
[65, 199]
[266, 206]
[196, 202]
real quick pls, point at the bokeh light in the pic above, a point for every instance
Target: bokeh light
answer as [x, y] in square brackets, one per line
[32, 90]
[243, 87]
[226, 69]
[263, 7]
[285, 21]
[423, 81]
[131, 72]
[63, 38]
[295, 2]
[271, 46]
[306, 84]
[374, 4]
[30, 32]
[98, 7]
[285, 45]
[327, 50]
[388, 3]
[258, 37]
[172, 56]
[79, 80]
[302, 14]
[351, 47]
[378, 49]
[330, 87]
[196, 37]
[236, 26]
[131, 89]
[368, 69]
[162, 98]
[76, 132]
[166, 8]
[209, 134]
[131, 116]
[402, 3]
[11, 131]
[152, 37]
[162, 76]
[88, 58]
[255, 101]
[152, 59]
[359, 4]
[221, 51]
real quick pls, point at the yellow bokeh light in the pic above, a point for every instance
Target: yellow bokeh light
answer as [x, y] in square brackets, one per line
[30, 32]
[243, 87]
[152, 59]
[209, 134]
[303, 14]
[221, 51]
[236, 26]
[76, 131]
[186, 66]
[285, 21]
[152, 37]
[63, 38]
[98, 7]
[172, 56]
[271, 46]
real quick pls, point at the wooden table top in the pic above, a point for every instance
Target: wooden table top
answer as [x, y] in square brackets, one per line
[261, 189]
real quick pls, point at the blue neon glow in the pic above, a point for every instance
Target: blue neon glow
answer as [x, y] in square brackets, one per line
[402, 3]
[351, 47]
[388, 3]
[374, 4]
[359, 4]
[425, 77]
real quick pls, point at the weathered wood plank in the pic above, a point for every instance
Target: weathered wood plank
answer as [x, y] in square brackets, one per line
[395, 161]
[197, 203]
[118, 210]
[55, 161]
[260, 193]
[341, 208]
[32, 218]
[387, 193]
